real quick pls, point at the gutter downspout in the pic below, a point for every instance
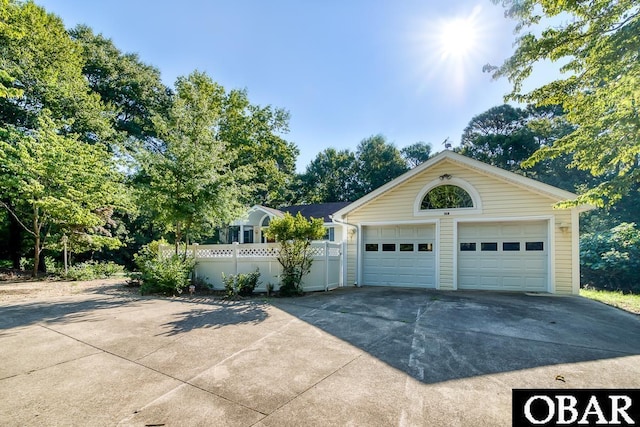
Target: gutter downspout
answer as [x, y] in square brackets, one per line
[357, 227]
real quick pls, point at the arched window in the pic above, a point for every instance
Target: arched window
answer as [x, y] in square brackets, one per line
[446, 197]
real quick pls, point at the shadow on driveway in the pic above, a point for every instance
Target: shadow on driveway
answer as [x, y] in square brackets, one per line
[216, 314]
[201, 312]
[437, 336]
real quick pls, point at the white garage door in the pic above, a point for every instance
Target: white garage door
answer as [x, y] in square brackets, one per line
[399, 256]
[510, 256]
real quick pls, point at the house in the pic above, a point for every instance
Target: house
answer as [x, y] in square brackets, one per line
[250, 228]
[450, 223]
[457, 223]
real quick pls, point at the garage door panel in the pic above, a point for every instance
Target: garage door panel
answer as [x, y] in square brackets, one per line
[503, 269]
[399, 267]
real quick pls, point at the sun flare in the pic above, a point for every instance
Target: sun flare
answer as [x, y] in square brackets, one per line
[458, 38]
[453, 48]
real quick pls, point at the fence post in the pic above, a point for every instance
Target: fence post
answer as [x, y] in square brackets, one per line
[195, 258]
[236, 247]
[343, 263]
[326, 265]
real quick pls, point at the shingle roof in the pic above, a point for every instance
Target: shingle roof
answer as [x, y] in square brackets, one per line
[317, 210]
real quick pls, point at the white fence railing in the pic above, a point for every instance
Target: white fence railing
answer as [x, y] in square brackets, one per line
[214, 260]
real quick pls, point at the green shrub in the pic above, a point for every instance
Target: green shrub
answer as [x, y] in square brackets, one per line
[81, 271]
[107, 269]
[289, 283]
[241, 284]
[93, 270]
[611, 259]
[161, 273]
[26, 264]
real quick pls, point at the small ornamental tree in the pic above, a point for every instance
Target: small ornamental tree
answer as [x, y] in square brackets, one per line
[294, 233]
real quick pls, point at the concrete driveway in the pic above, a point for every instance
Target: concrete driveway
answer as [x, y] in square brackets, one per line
[369, 356]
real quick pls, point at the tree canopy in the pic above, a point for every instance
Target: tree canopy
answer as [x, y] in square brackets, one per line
[499, 137]
[329, 178]
[417, 153]
[597, 47]
[196, 153]
[189, 185]
[58, 185]
[336, 176]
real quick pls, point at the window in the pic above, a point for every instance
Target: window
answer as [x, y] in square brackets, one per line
[371, 247]
[446, 197]
[425, 247]
[388, 247]
[406, 247]
[467, 247]
[488, 247]
[248, 234]
[329, 234]
[234, 234]
[534, 246]
[511, 246]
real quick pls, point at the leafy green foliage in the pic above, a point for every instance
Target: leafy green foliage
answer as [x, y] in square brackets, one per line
[45, 66]
[294, 234]
[189, 186]
[499, 137]
[161, 273]
[242, 284]
[132, 91]
[329, 177]
[611, 259]
[336, 176]
[378, 162]
[507, 137]
[255, 134]
[93, 270]
[415, 154]
[597, 47]
[56, 182]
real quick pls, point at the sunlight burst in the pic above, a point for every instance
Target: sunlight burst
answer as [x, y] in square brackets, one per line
[458, 38]
[453, 48]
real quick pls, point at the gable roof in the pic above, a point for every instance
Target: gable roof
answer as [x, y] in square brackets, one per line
[316, 210]
[546, 190]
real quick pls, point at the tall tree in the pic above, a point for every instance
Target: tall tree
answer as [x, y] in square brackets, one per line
[499, 137]
[416, 154]
[329, 178]
[377, 162]
[189, 185]
[57, 184]
[41, 70]
[598, 45]
[45, 64]
[507, 136]
[256, 134]
[132, 90]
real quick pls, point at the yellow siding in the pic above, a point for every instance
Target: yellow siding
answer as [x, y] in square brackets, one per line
[500, 199]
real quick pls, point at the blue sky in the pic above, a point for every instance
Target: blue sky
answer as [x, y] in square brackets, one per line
[344, 69]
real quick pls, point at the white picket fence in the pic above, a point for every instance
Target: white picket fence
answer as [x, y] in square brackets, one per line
[214, 260]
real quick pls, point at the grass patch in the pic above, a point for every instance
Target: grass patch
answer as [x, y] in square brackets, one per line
[627, 302]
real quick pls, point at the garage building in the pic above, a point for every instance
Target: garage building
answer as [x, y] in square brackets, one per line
[457, 223]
